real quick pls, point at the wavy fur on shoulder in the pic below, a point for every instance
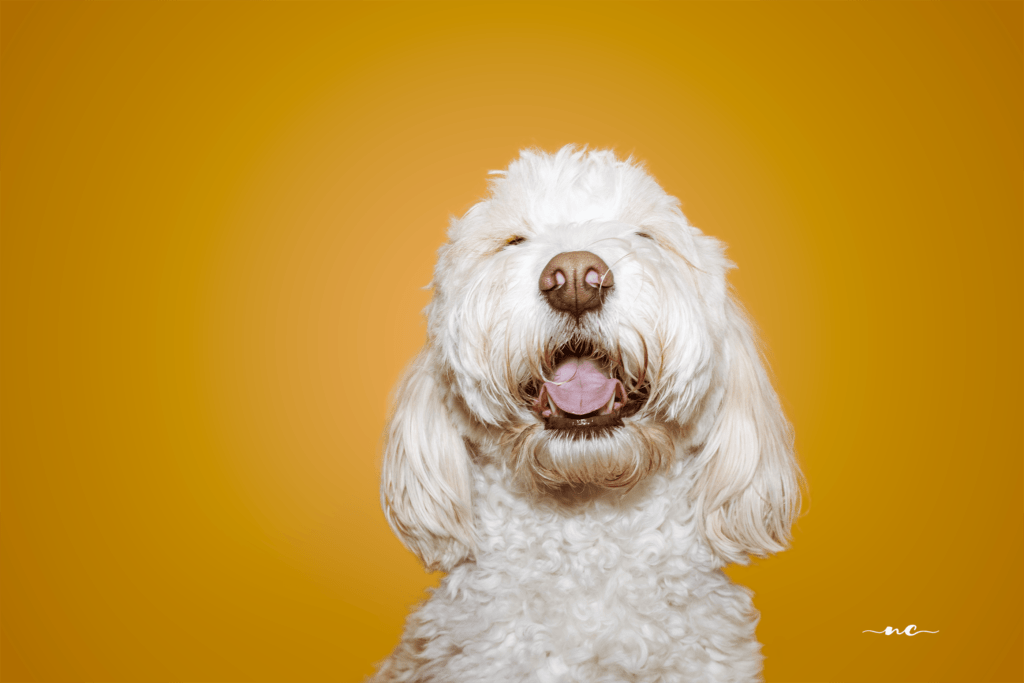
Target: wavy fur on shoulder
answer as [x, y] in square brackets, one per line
[585, 547]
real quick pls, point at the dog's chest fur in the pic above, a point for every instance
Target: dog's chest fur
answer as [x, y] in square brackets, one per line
[617, 587]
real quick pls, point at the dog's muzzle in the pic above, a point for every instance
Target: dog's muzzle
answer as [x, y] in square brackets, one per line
[584, 392]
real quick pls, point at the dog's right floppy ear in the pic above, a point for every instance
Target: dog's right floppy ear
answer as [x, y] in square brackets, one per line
[425, 483]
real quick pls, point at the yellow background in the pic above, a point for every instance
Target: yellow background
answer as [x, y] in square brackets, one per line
[217, 220]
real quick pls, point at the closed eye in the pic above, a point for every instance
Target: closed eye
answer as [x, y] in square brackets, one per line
[644, 235]
[514, 240]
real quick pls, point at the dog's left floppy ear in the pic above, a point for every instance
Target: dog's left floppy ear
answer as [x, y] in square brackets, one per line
[425, 483]
[748, 489]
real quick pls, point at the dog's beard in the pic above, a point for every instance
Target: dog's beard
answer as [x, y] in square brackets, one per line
[617, 457]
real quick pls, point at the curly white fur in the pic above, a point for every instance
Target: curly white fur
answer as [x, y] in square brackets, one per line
[594, 559]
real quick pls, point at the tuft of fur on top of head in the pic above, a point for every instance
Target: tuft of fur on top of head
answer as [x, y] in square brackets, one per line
[669, 330]
[574, 186]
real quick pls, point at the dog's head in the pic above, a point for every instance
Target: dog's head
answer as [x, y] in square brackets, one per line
[582, 333]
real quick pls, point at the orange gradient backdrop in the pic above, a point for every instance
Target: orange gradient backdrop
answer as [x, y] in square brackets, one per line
[218, 221]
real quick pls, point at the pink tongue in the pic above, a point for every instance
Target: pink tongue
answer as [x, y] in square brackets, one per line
[580, 387]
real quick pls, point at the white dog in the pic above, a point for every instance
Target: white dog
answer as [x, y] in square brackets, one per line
[587, 438]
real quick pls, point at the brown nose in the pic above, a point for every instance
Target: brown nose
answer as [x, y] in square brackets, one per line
[576, 281]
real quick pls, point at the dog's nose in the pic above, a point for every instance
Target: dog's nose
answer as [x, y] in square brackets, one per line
[576, 281]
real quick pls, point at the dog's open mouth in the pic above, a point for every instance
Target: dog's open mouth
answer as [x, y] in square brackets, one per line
[583, 393]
